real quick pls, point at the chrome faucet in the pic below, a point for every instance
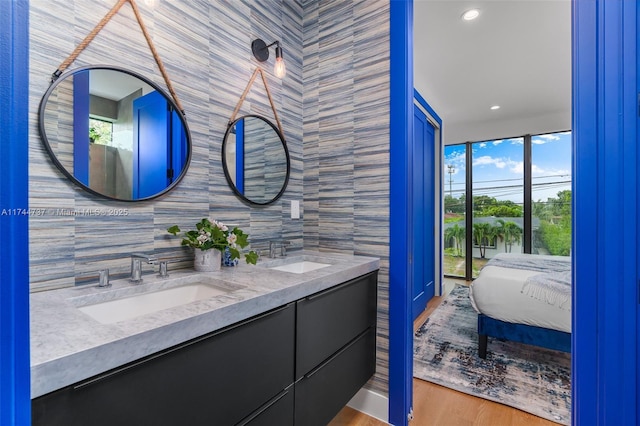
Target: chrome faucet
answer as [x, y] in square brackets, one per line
[272, 249]
[136, 265]
[163, 271]
[283, 247]
[103, 278]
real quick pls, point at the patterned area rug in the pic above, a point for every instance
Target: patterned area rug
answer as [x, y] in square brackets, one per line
[529, 378]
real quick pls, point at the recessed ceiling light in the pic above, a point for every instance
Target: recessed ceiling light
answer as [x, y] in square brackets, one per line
[470, 14]
[495, 107]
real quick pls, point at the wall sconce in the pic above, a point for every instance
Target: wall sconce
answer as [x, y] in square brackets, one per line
[260, 50]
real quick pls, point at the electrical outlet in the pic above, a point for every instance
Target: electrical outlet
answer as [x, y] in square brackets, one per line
[295, 209]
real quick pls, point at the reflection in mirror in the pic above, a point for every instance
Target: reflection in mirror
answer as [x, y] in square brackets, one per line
[255, 160]
[115, 133]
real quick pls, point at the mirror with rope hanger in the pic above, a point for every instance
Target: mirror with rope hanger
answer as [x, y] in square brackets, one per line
[255, 157]
[255, 160]
[113, 132]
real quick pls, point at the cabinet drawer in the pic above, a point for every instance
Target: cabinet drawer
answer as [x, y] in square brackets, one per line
[328, 320]
[323, 392]
[214, 380]
[278, 411]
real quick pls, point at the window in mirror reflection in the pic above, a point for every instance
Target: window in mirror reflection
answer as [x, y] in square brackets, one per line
[100, 131]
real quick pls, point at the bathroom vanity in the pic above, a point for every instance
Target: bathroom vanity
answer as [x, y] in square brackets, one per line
[274, 348]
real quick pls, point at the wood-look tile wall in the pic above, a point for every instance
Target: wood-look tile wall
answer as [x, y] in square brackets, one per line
[333, 104]
[205, 48]
[346, 140]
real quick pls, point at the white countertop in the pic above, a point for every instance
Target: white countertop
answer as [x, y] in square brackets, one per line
[68, 346]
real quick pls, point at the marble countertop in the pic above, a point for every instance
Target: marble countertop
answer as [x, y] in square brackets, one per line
[68, 346]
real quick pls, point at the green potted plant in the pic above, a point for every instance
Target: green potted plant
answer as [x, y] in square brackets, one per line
[210, 240]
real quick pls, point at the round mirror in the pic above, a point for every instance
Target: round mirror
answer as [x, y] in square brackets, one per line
[115, 133]
[255, 160]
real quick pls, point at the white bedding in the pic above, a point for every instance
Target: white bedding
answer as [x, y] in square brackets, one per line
[497, 293]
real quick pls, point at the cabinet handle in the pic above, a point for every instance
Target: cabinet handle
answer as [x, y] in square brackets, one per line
[265, 407]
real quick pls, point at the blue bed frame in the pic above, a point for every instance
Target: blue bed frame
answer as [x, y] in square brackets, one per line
[538, 336]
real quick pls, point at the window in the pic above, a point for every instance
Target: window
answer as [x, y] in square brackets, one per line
[454, 210]
[100, 131]
[551, 194]
[513, 208]
[497, 176]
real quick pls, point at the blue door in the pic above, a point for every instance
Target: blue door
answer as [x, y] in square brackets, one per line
[151, 148]
[423, 205]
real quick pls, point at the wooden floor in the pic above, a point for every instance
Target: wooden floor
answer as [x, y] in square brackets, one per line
[435, 405]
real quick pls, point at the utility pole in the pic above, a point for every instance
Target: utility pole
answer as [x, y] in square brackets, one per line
[451, 171]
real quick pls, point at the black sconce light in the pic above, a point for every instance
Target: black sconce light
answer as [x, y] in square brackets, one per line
[260, 50]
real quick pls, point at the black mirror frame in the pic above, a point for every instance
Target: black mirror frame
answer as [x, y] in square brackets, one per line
[226, 170]
[52, 155]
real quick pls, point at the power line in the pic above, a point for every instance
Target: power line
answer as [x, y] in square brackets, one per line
[508, 180]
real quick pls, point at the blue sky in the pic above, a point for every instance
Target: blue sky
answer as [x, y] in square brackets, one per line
[498, 167]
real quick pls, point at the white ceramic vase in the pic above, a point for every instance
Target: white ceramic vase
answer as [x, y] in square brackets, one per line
[207, 260]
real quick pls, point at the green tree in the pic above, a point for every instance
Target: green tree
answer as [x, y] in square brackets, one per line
[455, 234]
[557, 236]
[483, 202]
[485, 206]
[554, 209]
[509, 232]
[100, 132]
[555, 223]
[504, 210]
[539, 210]
[454, 205]
[483, 234]
[561, 206]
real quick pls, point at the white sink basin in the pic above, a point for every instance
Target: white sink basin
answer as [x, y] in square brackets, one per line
[132, 306]
[300, 267]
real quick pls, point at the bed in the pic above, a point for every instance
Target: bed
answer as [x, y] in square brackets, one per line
[524, 298]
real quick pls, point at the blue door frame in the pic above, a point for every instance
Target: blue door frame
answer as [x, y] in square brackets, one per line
[604, 128]
[604, 323]
[15, 402]
[81, 98]
[605, 185]
[401, 130]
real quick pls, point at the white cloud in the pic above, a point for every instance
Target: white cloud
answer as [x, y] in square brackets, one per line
[498, 142]
[488, 160]
[542, 139]
[482, 145]
[517, 167]
[560, 173]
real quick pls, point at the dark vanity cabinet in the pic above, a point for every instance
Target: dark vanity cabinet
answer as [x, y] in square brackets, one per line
[295, 365]
[335, 348]
[218, 379]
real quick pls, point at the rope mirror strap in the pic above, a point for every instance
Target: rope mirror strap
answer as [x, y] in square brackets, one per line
[244, 95]
[89, 38]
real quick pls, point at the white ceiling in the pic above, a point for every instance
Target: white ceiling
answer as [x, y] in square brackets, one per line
[516, 54]
[115, 85]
